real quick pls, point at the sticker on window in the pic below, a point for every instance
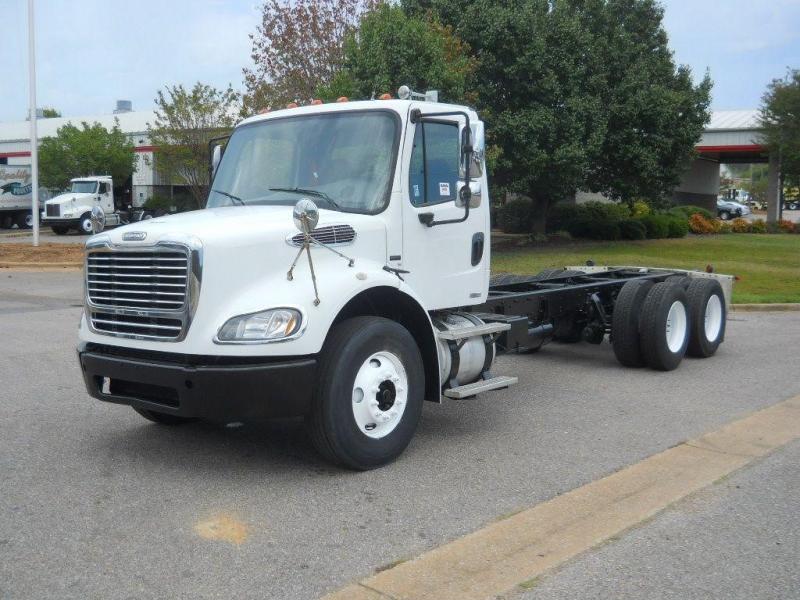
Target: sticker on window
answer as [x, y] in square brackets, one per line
[416, 191]
[444, 188]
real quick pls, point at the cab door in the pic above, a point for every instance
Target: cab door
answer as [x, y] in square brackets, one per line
[448, 263]
[105, 197]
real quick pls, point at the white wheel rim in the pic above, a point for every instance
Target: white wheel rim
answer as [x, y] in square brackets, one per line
[713, 318]
[86, 225]
[676, 326]
[380, 394]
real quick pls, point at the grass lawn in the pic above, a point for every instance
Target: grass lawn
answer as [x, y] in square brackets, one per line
[768, 266]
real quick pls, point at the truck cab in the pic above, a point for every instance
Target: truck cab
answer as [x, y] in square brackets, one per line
[73, 209]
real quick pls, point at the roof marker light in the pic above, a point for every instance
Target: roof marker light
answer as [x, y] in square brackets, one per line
[291, 105]
[343, 99]
[316, 101]
[385, 97]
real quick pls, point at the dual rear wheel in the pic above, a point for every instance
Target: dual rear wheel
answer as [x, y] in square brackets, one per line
[657, 324]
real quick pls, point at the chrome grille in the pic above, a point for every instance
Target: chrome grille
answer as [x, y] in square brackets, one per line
[137, 279]
[53, 210]
[145, 293]
[330, 234]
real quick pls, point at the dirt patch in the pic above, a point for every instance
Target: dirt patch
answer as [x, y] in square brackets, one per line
[45, 253]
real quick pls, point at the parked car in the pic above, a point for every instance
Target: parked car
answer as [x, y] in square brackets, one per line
[728, 209]
[792, 204]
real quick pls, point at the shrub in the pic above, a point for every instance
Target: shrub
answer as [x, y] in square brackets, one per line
[640, 209]
[740, 226]
[701, 225]
[677, 227]
[689, 210]
[593, 220]
[758, 226]
[657, 226]
[632, 229]
[516, 216]
[724, 227]
[785, 226]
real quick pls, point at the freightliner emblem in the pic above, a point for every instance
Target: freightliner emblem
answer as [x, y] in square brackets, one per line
[134, 236]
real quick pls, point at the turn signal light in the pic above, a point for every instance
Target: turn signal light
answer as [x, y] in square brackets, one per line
[291, 105]
[316, 101]
[342, 99]
[385, 97]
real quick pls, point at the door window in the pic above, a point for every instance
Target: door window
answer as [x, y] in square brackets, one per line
[433, 175]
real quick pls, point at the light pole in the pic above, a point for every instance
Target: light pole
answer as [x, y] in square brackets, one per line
[34, 135]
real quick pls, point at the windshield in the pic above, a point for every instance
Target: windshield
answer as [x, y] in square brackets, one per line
[83, 187]
[342, 161]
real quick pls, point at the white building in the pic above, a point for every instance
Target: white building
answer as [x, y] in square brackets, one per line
[15, 149]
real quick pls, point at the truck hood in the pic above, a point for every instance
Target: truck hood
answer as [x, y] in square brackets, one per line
[70, 196]
[266, 229]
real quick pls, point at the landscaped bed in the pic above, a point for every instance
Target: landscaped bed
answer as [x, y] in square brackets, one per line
[768, 266]
[10, 254]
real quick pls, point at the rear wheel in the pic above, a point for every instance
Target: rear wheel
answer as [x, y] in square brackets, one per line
[369, 393]
[162, 418]
[24, 220]
[707, 316]
[724, 215]
[664, 326]
[6, 222]
[625, 322]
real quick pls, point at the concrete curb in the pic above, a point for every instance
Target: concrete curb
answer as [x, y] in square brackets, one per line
[777, 307]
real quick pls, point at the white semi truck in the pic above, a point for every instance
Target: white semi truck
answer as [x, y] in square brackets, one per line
[340, 272]
[73, 210]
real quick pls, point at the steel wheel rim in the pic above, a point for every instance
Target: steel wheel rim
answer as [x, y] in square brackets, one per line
[676, 326]
[380, 394]
[713, 318]
[86, 225]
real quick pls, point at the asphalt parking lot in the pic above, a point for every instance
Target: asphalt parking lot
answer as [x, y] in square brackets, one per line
[96, 502]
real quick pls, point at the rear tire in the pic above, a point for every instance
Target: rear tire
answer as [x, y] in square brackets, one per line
[664, 326]
[625, 322]
[347, 425]
[6, 222]
[725, 215]
[24, 220]
[707, 315]
[162, 418]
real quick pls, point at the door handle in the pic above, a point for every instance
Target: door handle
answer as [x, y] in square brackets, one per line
[477, 248]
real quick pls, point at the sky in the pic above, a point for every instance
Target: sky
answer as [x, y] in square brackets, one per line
[91, 53]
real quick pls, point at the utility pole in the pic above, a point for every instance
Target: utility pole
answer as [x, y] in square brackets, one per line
[34, 134]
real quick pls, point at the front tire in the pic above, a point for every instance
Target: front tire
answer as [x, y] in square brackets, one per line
[369, 393]
[85, 224]
[725, 215]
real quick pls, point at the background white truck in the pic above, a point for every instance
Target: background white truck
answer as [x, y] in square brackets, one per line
[15, 196]
[73, 209]
[341, 272]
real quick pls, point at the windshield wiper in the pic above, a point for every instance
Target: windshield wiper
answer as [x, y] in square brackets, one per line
[231, 196]
[315, 193]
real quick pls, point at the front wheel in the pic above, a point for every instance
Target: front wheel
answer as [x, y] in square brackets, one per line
[369, 393]
[724, 215]
[85, 224]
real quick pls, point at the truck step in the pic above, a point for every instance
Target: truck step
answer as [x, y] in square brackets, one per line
[466, 332]
[483, 385]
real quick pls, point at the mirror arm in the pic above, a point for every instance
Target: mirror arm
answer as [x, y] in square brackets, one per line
[465, 193]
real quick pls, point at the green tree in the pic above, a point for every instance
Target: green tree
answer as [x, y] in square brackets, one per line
[390, 49]
[186, 120]
[48, 112]
[577, 94]
[85, 150]
[655, 114]
[780, 120]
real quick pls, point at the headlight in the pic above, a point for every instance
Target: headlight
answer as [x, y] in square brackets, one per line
[266, 326]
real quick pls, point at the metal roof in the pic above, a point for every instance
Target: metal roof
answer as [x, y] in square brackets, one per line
[129, 122]
[733, 119]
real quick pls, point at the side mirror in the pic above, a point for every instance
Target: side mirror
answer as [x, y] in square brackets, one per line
[216, 157]
[98, 219]
[305, 215]
[477, 154]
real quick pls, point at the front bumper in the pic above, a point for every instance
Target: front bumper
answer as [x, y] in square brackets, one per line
[50, 222]
[212, 388]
